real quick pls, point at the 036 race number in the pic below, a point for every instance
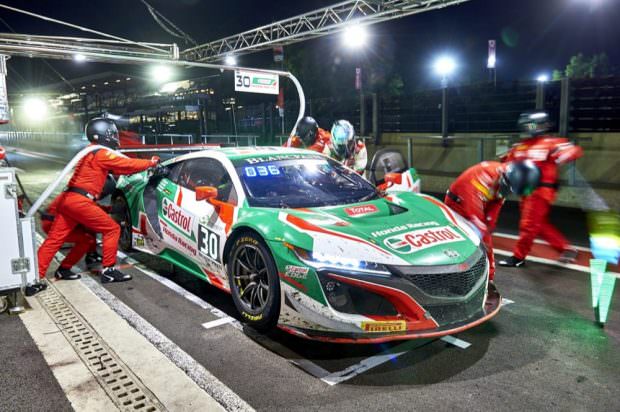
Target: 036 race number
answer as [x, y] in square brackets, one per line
[209, 243]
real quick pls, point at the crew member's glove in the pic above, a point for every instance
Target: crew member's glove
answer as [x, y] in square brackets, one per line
[159, 170]
[155, 160]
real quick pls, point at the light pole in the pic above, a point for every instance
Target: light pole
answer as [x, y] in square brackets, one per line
[231, 101]
[355, 37]
[444, 66]
[541, 79]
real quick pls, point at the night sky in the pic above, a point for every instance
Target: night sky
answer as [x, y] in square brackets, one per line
[532, 35]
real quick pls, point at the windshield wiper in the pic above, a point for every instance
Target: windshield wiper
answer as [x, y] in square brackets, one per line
[368, 197]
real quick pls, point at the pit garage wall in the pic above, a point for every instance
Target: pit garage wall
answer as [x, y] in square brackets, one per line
[438, 166]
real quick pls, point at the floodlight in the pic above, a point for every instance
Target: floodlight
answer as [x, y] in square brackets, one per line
[355, 36]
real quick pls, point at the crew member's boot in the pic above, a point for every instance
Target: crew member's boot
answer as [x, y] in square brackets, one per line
[568, 256]
[111, 274]
[512, 262]
[92, 259]
[66, 274]
[32, 290]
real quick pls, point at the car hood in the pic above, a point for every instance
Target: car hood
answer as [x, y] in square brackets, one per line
[406, 229]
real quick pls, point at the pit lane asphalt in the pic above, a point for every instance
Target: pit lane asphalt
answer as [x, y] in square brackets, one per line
[541, 352]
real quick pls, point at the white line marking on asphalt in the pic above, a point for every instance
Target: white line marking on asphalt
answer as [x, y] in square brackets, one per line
[506, 302]
[551, 262]
[218, 322]
[368, 363]
[459, 343]
[310, 367]
[539, 241]
[187, 295]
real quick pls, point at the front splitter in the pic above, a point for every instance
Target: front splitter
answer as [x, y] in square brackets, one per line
[491, 308]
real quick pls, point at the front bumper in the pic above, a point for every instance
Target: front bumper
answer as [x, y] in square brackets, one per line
[491, 308]
[412, 302]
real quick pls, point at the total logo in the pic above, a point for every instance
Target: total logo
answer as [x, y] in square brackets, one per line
[417, 240]
[176, 215]
[361, 210]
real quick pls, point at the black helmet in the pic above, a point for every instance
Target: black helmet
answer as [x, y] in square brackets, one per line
[520, 178]
[533, 123]
[102, 131]
[306, 130]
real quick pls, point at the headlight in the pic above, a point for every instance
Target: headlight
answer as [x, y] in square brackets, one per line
[323, 261]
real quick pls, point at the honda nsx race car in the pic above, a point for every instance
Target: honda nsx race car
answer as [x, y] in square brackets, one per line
[305, 244]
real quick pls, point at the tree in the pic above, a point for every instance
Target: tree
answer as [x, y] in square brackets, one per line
[580, 67]
[395, 86]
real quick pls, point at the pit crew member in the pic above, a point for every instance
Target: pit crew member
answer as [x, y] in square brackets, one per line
[478, 195]
[345, 148]
[548, 153]
[85, 242]
[309, 136]
[78, 207]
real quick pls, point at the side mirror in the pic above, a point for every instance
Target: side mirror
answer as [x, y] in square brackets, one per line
[393, 178]
[205, 193]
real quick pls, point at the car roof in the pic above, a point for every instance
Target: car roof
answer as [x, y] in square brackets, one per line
[246, 152]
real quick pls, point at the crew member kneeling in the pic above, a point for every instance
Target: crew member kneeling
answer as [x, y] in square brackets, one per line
[345, 148]
[478, 195]
[77, 205]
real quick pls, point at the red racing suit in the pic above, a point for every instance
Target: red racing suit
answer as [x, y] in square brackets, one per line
[547, 153]
[77, 208]
[475, 196]
[323, 137]
[83, 240]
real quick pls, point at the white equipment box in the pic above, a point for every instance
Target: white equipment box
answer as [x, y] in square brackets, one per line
[18, 263]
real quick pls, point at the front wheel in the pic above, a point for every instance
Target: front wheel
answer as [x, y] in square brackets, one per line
[122, 216]
[254, 282]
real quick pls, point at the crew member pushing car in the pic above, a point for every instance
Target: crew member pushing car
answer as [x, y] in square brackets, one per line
[345, 148]
[478, 195]
[77, 205]
[309, 136]
[84, 241]
[547, 153]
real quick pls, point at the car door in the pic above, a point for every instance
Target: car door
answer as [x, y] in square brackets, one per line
[202, 225]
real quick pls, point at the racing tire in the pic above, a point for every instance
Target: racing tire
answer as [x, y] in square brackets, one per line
[122, 216]
[254, 282]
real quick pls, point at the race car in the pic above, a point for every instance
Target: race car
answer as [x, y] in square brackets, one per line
[307, 245]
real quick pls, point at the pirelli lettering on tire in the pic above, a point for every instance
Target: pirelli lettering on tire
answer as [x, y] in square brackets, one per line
[208, 243]
[385, 326]
[254, 318]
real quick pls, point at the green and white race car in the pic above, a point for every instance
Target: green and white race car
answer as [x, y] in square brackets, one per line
[307, 245]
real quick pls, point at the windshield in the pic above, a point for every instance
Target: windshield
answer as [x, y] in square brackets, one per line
[301, 182]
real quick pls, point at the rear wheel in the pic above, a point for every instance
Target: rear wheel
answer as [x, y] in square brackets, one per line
[254, 282]
[122, 215]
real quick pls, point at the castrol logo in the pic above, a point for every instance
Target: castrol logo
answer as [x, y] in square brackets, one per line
[175, 215]
[361, 210]
[417, 240]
